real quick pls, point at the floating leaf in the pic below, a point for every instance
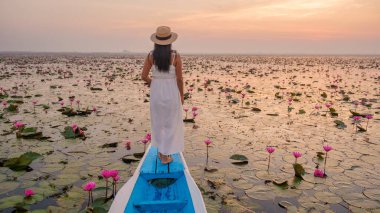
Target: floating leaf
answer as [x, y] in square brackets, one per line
[282, 185]
[256, 109]
[328, 197]
[69, 133]
[288, 206]
[130, 159]
[299, 170]
[22, 162]
[29, 133]
[11, 201]
[272, 114]
[12, 108]
[301, 111]
[109, 145]
[373, 194]
[340, 124]
[189, 120]
[239, 159]
[138, 154]
[260, 192]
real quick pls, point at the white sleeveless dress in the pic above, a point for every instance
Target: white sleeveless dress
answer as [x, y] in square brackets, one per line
[166, 112]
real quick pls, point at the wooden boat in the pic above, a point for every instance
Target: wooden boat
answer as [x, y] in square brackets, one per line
[157, 187]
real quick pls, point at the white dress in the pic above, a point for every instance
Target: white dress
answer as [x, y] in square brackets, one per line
[166, 112]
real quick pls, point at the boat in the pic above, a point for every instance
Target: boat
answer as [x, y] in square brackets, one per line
[156, 187]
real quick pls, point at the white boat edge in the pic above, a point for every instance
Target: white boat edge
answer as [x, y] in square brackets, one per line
[122, 197]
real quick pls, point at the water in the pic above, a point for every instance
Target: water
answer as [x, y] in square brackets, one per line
[123, 113]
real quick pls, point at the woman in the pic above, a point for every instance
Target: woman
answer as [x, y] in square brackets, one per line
[166, 94]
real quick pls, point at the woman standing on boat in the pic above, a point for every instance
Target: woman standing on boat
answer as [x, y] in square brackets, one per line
[166, 94]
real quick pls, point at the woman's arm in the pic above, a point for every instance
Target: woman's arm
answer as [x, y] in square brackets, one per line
[145, 72]
[178, 70]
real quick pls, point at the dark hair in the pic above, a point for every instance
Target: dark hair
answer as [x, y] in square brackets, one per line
[161, 57]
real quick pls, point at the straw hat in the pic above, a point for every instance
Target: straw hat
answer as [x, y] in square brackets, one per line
[163, 36]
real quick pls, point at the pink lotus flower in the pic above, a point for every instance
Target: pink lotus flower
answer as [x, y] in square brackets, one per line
[18, 124]
[194, 108]
[185, 109]
[74, 127]
[81, 132]
[290, 99]
[328, 105]
[297, 154]
[242, 95]
[317, 106]
[144, 141]
[78, 101]
[127, 145]
[357, 118]
[116, 178]
[270, 149]
[5, 103]
[195, 114]
[34, 102]
[28, 192]
[327, 148]
[89, 186]
[208, 142]
[94, 109]
[319, 173]
[148, 136]
[106, 174]
[369, 116]
[113, 173]
[62, 103]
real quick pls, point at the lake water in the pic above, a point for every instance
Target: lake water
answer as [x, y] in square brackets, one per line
[236, 125]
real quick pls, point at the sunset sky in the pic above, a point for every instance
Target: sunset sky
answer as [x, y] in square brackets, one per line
[204, 26]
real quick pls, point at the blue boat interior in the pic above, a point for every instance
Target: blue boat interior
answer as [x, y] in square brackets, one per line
[160, 187]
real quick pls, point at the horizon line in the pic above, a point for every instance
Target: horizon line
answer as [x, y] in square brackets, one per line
[188, 53]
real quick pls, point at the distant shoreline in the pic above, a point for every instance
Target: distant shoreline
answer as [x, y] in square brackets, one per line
[32, 53]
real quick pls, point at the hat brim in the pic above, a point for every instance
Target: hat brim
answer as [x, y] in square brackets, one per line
[164, 42]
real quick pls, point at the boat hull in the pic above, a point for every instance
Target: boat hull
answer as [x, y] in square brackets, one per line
[157, 187]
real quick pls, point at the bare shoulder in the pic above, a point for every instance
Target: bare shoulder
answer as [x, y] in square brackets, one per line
[177, 55]
[150, 56]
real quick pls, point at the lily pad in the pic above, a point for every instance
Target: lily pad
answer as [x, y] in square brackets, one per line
[373, 194]
[260, 192]
[22, 162]
[361, 201]
[130, 159]
[328, 197]
[12, 108]
[29, 133]
[189, 120]
[11, 201]
[298, 170]
[239, 159]
[340, 124]
[69, 133]
[272, 114]
[288, 206]
[109, 145]
[254, 109]
[281, 185]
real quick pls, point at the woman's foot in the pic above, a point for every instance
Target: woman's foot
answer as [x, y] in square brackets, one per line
[165, 159]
